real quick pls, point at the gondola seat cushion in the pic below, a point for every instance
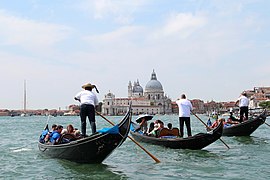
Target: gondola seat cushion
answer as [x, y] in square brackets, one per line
[169, 132]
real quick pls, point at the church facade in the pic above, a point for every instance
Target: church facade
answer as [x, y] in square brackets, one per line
[150, 100]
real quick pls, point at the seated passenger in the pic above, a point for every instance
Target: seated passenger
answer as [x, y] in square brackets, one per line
[143, 125]
[216, 123]
[43, 135]
[64, 131]
[233, 118]
[55, 135]
[158, 125]
[230, 121]
[47, 138]
[142, 121]
[151, 128]
[154, 132]
[74, 131]
[70, 129]
[53, 127]
[169, 125]
[209, 123]
[77, 133]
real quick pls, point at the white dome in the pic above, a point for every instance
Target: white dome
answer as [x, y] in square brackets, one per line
[153, 84]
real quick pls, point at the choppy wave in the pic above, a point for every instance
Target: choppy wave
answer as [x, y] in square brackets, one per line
[21, 159]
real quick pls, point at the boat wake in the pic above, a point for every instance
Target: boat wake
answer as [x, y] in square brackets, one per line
[20, 149]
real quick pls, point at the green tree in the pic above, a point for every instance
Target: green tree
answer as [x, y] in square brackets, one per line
[265, 104]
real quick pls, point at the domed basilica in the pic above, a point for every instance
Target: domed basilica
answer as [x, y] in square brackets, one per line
[150, 101]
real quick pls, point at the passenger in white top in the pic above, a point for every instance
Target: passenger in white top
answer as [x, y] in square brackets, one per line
[184, 107]
[243, 104]
[88, 102]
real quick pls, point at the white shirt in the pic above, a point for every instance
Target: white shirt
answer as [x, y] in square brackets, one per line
[87, 97]
[243, 101]
[184, 107]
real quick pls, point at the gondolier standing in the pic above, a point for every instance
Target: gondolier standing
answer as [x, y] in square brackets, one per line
[243, 104]
[88, 102]
[185, 108]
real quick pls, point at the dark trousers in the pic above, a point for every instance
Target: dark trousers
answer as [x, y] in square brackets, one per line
[185, 120]
[87, 111]
[243, 111]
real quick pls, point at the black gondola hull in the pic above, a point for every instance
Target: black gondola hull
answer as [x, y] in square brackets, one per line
[86, 150]
[245, 128]
[93, 149]
[196, 142]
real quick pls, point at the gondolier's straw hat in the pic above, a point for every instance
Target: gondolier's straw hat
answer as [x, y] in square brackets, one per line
[88, 85]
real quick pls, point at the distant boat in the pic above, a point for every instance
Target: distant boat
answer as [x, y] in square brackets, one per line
[225, 114]
[70, 114]
[24, 115]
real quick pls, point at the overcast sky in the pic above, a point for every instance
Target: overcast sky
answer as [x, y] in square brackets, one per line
[208, 49]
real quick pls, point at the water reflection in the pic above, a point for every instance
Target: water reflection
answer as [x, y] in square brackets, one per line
[90, 171]
[187, 155]
[251, 140]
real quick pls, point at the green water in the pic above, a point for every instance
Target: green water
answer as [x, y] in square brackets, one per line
[247, 158]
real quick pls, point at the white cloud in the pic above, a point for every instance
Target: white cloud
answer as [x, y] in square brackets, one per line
[119, 11]
[29, 34]
[182, 24]
[125, 33]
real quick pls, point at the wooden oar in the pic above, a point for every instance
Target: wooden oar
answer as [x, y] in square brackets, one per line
[47, 126]
[267, 124]
[208, 128]
[152, 156]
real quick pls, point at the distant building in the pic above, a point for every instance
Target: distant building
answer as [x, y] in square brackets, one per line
[212, 107]
[151, 100]
[258, 95]
[4, 112]
[198, 106]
